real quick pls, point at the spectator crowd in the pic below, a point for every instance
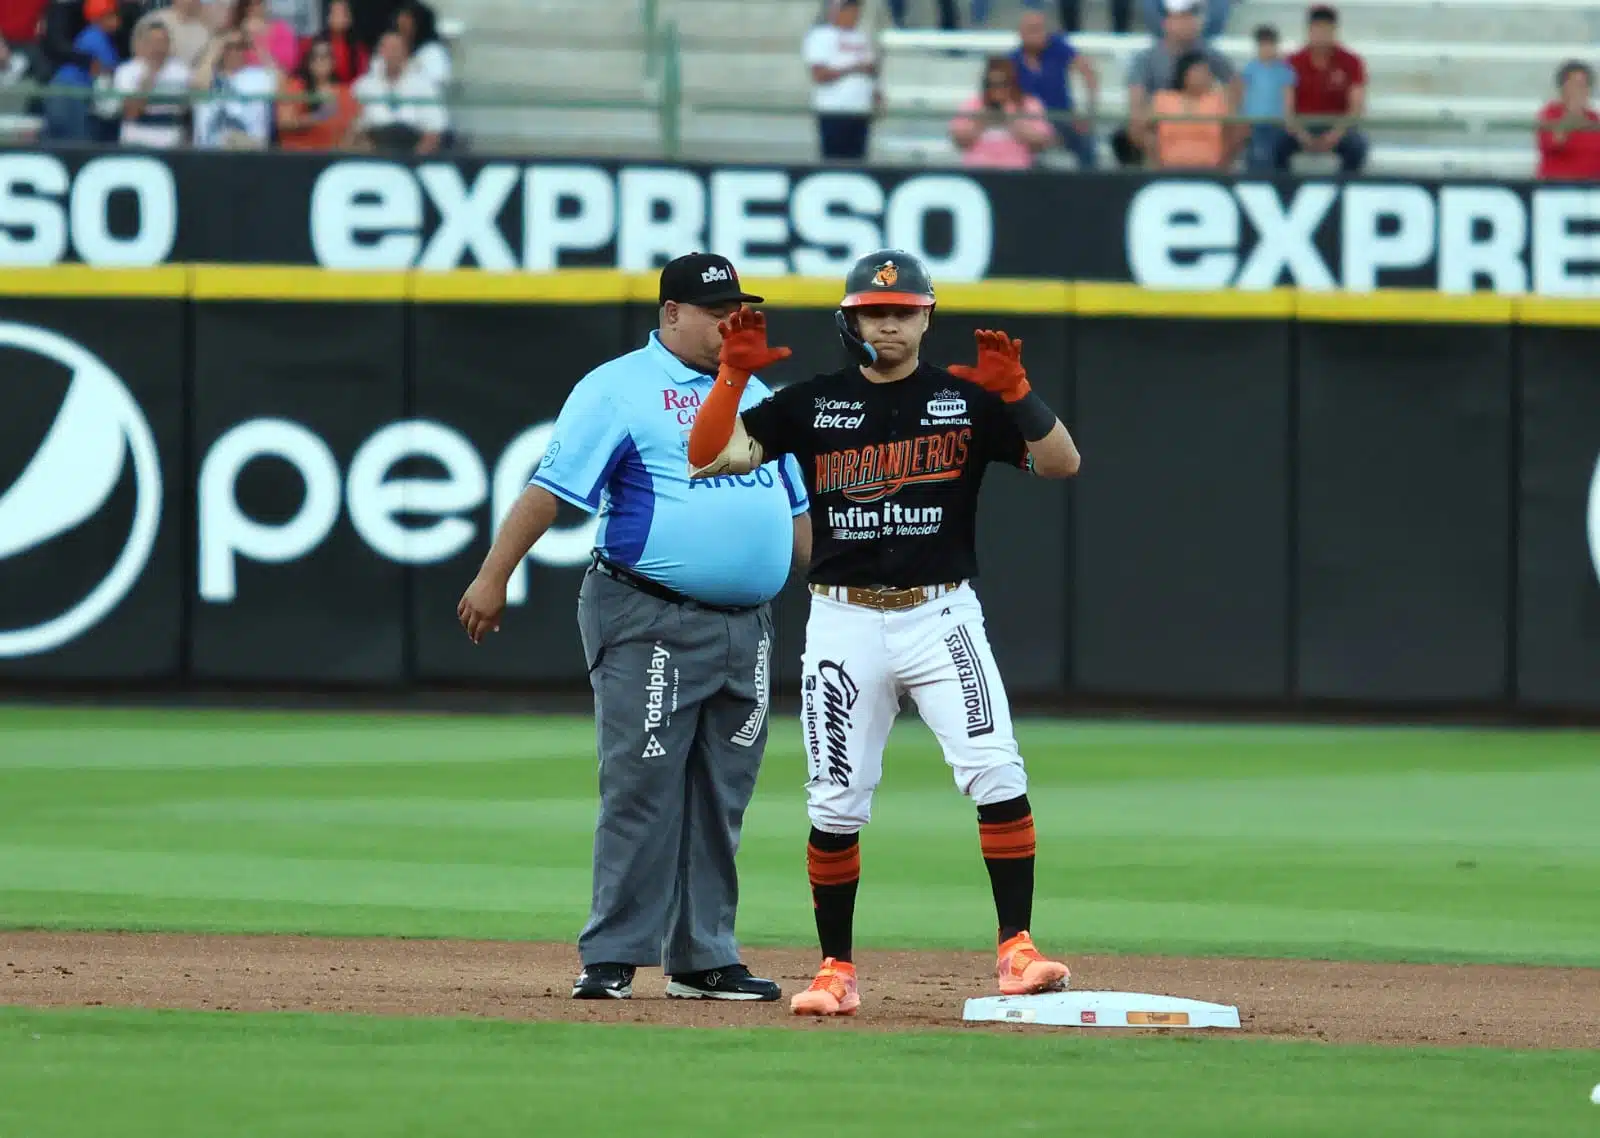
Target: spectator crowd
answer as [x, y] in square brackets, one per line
[368, 75]
[1189, 106]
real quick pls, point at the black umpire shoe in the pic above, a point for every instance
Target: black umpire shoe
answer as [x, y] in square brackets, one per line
[731, 983]
[604, 982]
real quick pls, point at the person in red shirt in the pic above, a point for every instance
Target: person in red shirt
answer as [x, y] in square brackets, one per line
[1565, 153]
[1329, 81]
[22, 21]
[350, 56]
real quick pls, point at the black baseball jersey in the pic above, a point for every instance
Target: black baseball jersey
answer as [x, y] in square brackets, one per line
[893, 470]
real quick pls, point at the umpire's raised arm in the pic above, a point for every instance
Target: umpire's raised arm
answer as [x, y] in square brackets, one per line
[718, 442]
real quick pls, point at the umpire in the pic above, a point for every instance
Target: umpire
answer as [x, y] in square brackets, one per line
[677, 634]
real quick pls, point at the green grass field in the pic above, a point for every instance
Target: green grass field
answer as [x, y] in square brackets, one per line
[1400, 844]
[310, 1076]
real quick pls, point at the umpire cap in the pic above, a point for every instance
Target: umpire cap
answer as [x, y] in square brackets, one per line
[889, 276]
[704, 279]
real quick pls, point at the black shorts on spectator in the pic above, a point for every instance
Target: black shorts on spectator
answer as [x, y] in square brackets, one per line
[1072, 15]
[1351, 148]
[844, 137]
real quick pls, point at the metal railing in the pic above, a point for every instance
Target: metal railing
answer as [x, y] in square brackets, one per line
[671, 93]
[650, 27]
[663, 73]
[1103, 118]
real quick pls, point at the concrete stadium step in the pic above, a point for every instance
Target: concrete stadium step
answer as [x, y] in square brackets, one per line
[578, 73]
[577, 27]
[554, 18]
[749, 137]
[755, 19]
[723, 20]
[758, 77]
[554, 130]
[1450, 77]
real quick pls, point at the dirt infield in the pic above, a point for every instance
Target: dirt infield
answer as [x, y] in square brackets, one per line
[1337, 1003]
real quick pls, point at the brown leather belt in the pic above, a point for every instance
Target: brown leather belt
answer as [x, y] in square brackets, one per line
[884, 600]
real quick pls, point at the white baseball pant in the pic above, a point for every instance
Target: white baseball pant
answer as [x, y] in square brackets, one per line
[857, 665]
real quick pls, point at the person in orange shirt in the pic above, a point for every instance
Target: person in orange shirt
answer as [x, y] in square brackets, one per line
[1190, 145]
[324, 122]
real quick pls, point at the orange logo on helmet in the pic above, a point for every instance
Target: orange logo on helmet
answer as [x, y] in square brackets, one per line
[887, 275]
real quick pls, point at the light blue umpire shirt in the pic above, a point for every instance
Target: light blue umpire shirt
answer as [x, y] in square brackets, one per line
[621, 449]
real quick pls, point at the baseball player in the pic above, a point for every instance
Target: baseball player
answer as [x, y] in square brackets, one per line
[894, 451]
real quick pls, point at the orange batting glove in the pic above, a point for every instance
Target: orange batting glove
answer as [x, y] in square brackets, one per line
[744, 343]
[999, 367]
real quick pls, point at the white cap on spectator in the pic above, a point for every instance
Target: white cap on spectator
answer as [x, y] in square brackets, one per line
[1175, 6]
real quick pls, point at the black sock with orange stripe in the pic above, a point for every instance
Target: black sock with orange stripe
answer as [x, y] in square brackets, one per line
[833, 862]
[1005, 831]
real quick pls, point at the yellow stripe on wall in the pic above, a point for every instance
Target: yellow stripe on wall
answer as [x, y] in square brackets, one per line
[1405, 306]
[1009, 297]
[998, 297]
[1559, 311]
[295, 283]
[568, 286]
[1100, 299]
[85, 281]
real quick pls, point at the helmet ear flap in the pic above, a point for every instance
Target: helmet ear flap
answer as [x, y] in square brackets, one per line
[860, 351]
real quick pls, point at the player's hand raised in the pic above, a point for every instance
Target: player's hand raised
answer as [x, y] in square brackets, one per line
[744, 342]
[999, 367]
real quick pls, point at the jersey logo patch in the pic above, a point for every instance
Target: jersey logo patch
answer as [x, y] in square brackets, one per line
[879, 470]
[943, 408]
[828, 742]
[653, 749]
[890, 519]
[829, 420]
[660, 693]
[828, 414]
[974, 684]
[751, 731]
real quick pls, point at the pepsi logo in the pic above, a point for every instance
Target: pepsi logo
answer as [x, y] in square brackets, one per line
[98, 432]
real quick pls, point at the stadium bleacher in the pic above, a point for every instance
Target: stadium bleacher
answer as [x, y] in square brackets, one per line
[1455, 85]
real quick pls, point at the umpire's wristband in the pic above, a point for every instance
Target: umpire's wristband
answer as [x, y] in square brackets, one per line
[1032, 416]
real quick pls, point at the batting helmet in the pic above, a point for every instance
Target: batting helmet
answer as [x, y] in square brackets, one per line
[887, 277]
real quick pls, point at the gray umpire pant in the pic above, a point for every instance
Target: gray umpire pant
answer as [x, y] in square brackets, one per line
[680, 697]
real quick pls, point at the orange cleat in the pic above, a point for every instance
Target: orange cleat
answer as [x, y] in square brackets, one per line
[1022, 971]
[832, 993]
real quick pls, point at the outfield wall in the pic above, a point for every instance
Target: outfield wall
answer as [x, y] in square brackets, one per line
[1384, 498]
